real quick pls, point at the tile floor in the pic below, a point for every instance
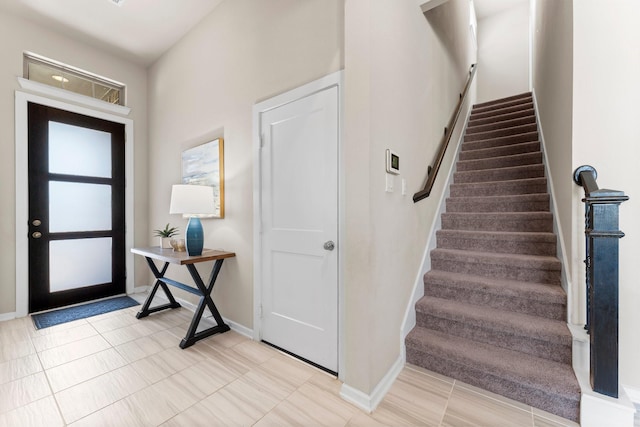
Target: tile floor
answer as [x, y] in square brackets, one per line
[115, 370]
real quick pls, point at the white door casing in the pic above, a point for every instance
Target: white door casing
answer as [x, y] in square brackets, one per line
[297, 278]
[58, 98]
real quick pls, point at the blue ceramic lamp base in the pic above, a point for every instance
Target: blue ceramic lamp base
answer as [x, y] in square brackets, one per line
[194, 237]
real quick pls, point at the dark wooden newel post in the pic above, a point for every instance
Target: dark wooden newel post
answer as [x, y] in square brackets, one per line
[602, 234]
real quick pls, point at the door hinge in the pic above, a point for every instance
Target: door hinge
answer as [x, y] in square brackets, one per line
[262, 140]
[260, 311]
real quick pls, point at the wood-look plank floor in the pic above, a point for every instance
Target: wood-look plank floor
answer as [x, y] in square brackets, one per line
[116, 370]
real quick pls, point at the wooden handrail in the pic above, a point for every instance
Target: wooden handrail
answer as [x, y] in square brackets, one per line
[433, 170]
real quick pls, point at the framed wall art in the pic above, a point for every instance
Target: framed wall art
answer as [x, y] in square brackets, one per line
[204, 165]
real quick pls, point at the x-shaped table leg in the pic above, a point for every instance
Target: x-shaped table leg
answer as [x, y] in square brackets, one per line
[205, 301]
[159, 275]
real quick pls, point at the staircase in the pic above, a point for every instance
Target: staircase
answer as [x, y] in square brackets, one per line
[493, 313]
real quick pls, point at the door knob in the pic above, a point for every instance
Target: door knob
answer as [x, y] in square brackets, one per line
[36, 235]
[329, 245]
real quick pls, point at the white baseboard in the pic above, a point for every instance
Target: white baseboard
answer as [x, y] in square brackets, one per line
[141, 289]
[7, 316]
[597, 409]
[633, 393]
[237, 327]
[369, 402]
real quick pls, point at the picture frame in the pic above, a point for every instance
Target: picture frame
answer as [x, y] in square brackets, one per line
[204, 165]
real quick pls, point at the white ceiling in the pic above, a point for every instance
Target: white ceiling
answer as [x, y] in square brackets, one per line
[138, 30]
[485, 8]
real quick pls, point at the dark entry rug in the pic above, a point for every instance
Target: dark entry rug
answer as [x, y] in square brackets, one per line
[64, 315]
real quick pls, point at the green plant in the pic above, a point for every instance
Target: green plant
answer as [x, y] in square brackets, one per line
[167, 232]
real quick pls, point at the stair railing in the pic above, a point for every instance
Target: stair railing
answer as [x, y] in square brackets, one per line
[602, 236]
[432, 171]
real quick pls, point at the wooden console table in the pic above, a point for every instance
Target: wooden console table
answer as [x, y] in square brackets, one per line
[168, 256]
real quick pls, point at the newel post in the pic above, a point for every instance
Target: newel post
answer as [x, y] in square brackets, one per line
[602, 236]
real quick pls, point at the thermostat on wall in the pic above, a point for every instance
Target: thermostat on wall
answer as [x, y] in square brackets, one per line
[393, 162]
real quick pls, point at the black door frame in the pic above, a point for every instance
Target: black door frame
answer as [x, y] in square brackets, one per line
[39, 297]
[32, 92]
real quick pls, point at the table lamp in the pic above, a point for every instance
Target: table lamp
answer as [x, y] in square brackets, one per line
[192, 201]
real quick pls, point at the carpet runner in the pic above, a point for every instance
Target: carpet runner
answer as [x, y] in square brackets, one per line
[494, 313]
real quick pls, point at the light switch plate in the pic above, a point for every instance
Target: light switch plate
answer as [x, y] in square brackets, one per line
[389, 186]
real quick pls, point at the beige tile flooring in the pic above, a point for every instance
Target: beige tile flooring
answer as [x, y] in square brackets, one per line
[116, 370]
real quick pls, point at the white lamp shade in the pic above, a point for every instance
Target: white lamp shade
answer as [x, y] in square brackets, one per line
[191, 199]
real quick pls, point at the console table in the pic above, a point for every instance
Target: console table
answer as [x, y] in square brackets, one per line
[168, 256]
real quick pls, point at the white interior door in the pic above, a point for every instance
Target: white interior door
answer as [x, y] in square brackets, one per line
[299, 209]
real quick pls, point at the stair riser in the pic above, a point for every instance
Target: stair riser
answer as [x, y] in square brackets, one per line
[520, 247]
[500, 271]
[467, 222]
[478, 128]
[481, 376]
[502, 117]
[557, 352]
[509, 150]
[501, 188]
[500, 142]
[463, 204]
[516, 304]
[503, 174]
[522, 103]
[516, 130]
[500, 162]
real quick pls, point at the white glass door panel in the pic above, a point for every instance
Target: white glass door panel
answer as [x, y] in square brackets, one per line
[77, 206]
[75, 150]
[79, 263]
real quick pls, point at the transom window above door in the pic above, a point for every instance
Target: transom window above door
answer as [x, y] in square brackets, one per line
[52, 73]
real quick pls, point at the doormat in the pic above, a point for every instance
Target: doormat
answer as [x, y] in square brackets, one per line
[64, 315]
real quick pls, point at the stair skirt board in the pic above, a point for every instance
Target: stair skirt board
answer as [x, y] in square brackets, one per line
[493, 312]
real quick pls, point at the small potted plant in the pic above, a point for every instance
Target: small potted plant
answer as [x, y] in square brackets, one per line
[165, 235]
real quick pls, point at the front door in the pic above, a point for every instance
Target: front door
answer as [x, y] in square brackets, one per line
[299, 193]
[76, 208]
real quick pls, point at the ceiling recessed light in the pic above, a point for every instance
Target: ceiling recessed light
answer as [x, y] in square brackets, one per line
[117, 2]
[60, 78]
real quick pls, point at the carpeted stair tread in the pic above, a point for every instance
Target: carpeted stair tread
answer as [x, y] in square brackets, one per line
[500, 188]
[500, 174]
[518, 121]
[502, 117]
[529, 268]
[498, 320]
[538, 382]
[525, 101]
[495, 102]
[532, 243]
[502, 110]
[515, 260]
[534, 335]
[498, 221]
[500, 132]
[511, 203]
[537, 299]
[510, 160]
[505, 150]
[500, 142]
